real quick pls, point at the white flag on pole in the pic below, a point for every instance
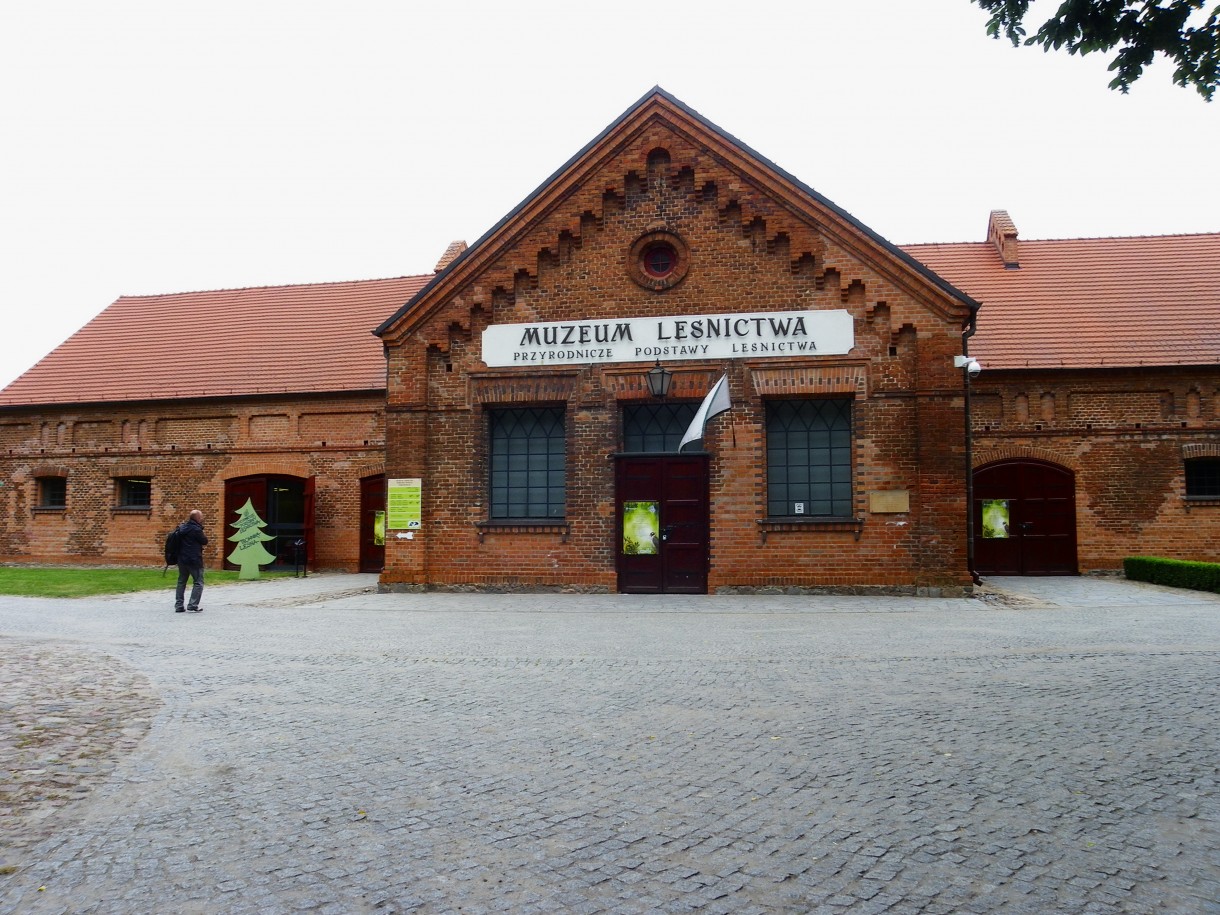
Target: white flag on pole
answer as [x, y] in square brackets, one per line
[715, 403]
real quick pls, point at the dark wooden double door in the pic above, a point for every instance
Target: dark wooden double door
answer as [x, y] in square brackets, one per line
[661, 534]
[1024, 519]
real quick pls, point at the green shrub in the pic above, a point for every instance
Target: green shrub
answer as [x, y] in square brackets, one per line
[1176, 573]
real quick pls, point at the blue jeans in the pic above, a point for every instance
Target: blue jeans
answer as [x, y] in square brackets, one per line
[195, 572]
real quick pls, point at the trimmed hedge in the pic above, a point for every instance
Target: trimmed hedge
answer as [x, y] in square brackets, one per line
[1176, 573]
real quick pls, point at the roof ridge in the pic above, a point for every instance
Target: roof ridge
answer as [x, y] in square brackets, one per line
[319, 283]
[1165, 235]
[1127, 237]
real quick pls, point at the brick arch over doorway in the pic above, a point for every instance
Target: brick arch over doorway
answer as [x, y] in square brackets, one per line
[256, 466]
[1201, 450]
[1024, 452]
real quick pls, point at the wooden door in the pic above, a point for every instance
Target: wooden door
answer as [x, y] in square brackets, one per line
[372, 524]
[307, 521]
[661, 534]
[1024, 519]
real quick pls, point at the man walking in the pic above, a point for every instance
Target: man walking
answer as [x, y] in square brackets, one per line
[191, 541]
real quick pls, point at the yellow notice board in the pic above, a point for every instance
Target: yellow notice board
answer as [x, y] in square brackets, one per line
[404, 502]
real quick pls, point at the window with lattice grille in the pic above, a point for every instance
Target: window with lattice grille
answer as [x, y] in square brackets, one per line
[809, 460]
[656, 428]
[528, 463]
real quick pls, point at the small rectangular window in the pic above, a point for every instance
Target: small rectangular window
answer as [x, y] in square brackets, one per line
[52, 492]
[1203, 478]
[134, 493]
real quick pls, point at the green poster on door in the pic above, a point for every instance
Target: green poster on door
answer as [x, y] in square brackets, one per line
[378, 528]
[641, 528]
[995, 519]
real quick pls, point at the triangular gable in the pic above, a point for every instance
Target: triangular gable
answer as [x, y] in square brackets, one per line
[837, 224]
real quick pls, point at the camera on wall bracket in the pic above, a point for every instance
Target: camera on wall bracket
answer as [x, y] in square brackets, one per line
[970, 364]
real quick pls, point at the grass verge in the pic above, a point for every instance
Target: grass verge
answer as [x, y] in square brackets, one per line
[57, 581]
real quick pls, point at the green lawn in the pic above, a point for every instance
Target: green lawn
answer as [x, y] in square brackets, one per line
[56, 581]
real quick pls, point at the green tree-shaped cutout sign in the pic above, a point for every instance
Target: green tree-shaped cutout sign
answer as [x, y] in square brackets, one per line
[249, 552]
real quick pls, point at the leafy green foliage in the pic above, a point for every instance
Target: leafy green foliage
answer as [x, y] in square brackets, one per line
[1140, 29]
[1176, 573]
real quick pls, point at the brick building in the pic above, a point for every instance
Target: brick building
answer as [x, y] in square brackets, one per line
[1097, 416]
[517, 396]
[166, 403]
[520, 445]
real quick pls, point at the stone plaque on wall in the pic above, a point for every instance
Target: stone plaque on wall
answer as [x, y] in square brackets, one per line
[889, 502]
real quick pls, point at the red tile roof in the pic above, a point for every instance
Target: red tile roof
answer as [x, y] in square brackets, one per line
[228, 343]
[1072, 303]
[1090, 302]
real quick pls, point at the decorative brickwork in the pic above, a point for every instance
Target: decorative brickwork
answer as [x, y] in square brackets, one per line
[756, 242]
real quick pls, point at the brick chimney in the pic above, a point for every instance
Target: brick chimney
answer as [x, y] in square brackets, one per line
[1002, 233]
[455, 248]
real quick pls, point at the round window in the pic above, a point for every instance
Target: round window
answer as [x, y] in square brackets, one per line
[658, 260]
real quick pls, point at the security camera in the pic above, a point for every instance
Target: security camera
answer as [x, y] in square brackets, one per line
[971, 366]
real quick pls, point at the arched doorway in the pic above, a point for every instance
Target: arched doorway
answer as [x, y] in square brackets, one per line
[285, 503]
[1024, 518]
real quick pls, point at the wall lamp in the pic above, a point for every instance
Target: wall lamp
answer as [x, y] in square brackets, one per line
[969, 363]
[659, 380]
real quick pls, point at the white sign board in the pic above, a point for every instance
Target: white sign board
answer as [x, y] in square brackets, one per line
[732, 336]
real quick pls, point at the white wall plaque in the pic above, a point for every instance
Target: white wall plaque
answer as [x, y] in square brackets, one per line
[731, 336]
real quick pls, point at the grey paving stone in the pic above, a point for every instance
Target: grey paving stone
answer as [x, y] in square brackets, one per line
[313, 746]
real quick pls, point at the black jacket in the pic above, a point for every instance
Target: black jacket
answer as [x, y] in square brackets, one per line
[191, 543]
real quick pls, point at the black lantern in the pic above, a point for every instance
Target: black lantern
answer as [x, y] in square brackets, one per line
[659, 380]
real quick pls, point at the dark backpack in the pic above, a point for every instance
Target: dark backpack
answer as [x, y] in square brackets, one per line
[173, 542]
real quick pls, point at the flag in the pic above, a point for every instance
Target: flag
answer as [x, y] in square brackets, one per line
[715, 403]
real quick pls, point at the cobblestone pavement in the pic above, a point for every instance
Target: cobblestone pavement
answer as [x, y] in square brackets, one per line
[307, 745]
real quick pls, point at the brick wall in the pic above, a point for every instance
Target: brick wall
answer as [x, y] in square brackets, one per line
[188, 449]
[749, 251]
[1124, 433]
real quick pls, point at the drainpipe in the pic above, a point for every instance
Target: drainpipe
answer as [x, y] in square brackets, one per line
[966, 335]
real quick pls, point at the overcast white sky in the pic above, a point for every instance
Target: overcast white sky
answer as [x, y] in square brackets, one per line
[153, 146]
